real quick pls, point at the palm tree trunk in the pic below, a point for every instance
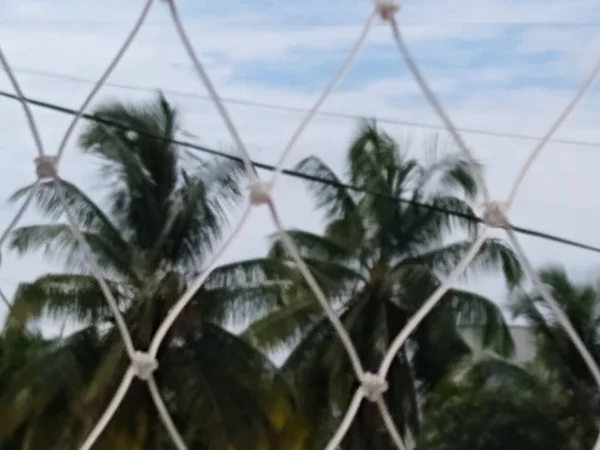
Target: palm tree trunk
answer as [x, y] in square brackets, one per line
[368, 430]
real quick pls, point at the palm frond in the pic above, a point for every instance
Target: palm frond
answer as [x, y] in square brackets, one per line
[249, 272]
[140, 163]
[283, 328]
[86, 213]
[101, 383]
[58, 243]
[332, 197]
[56, 371]
[309, 349]
[49, 431]
[198, 213]
[453, 172]
[325, 258]
[191, 229]
[490, 371]
[235, 400]
[236, 306]
[525, 306]
[372, 153]
[485, 319]
[223, 182]
[421, 227]
[310, 377]
[18, 346]
[154, 125]
[579, 302]
[310, 245]
[336, 280]
[131, 198]
[365, 321]
[407, 174]
[349, 232]
[437, 348]
[59, 296]
[412, 284]
[494, 254]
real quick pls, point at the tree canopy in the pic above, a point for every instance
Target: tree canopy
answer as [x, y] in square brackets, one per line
[377, 261]
[381, 254]
[492, 420]
[165, 211]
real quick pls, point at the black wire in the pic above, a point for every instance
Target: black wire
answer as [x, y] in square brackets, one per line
[296, 174]
[294, 109]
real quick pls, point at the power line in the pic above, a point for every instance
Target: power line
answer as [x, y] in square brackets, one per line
[297, 174]
[298, 110]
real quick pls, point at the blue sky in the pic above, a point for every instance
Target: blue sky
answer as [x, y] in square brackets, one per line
[508, 66]
[498, 65]
[490, 39]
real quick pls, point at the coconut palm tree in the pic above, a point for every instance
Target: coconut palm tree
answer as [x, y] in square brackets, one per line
[555, 351]
[581, 304]
[533, 383]
[165, 211]
[16, 347]
[378, 260]
[493, 419]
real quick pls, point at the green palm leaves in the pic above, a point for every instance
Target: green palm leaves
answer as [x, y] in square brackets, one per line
[165, 212]
[378, 261]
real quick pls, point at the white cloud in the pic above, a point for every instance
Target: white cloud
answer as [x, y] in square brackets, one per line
[558, 195]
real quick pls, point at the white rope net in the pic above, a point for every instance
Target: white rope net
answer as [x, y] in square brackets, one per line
[372, 385]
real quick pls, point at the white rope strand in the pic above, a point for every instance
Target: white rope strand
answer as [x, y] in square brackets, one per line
[372, 387]
[431, 302]
[40, 150]
[559, 314]
[328, 90]
[173, 314]
[557, 310]
[110, 411]
[4, 299]
[437, 106]
[111, 67]
[367, 380]
[19, 215]
[142, 364]
[24, 103]
[563, 320]
[346, 422]
[241, 147]
[164, 415]
[36, 139]
[559, 121]
[412, 324]
[390, 425]
[321, 297]
[96, 272]
[11, 226]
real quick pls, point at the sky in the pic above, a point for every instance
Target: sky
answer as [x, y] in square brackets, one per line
[502, 66]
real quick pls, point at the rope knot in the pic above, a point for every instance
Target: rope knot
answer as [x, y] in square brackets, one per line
[45, 167]
[494, 215]
[143, 365]
[386, 9]
[373, 386]
[260, 193]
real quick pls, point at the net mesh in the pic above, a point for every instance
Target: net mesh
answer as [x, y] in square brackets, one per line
[372, 385]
